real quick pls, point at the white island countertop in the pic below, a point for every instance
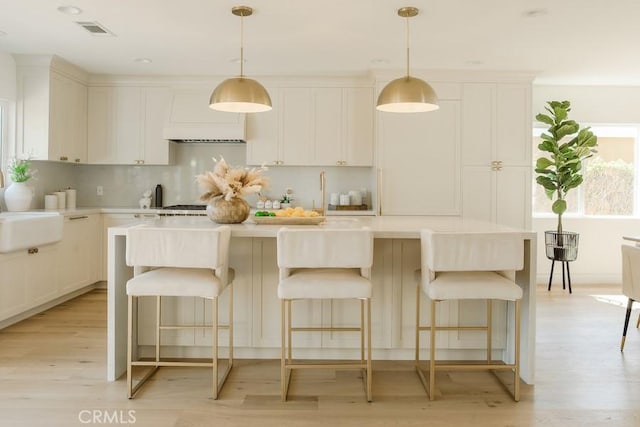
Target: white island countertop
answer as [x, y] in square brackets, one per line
[386, 227]
[392, 231]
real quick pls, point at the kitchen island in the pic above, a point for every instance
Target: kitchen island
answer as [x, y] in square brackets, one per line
[256, 306]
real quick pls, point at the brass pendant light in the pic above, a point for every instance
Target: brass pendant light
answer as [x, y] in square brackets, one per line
[240, 94]
[407, 94]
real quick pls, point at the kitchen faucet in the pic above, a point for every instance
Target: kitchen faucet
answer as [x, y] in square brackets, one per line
[321, 209]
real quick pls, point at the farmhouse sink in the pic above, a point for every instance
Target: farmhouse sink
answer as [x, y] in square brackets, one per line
[21, 230]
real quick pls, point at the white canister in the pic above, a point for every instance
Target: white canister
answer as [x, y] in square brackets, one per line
[355, 197]
[71, 198]
[62, 199]
[334, 199]
[268, 204]
[276, 204]
[344, 200]
[260, 204]
[50, 202]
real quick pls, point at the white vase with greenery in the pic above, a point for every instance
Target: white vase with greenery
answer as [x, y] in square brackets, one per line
[19, 195]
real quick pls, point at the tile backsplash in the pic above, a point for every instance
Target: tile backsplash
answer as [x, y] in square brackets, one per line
[124, 185]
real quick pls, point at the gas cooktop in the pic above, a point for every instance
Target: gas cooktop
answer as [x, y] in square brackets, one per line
[186, 207]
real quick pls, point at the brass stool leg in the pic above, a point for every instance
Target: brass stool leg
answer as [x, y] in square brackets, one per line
[489, 330]
[214, 344]
[283, 387]
[369, 393]
[417, 361]
[432, 352]
[362, 331]
[516, 371]
[230, 325]
[158, 321]
[129, 345]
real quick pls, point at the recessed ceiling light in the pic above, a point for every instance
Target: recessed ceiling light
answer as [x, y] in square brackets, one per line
[535, 13]
[143, 60]
[70, 10]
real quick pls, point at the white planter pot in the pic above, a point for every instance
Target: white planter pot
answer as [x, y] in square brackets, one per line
[18, 197]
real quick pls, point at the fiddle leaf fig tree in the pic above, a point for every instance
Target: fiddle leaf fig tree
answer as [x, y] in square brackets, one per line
[565, 146]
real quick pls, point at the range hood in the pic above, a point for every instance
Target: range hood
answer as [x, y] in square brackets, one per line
[205, 133]
[191, 120]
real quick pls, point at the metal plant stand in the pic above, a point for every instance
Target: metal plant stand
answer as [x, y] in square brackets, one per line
[561, 247]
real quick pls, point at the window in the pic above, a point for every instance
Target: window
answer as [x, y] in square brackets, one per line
[609, 176]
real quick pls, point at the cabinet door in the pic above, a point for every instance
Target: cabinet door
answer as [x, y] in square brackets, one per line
[358, 127]
[155, 147]
[75, 252]
[78, 137]
[502, 196]
[513, 124]
[13, 284]
[478, 123]
[419, 162]
[513, 196]
[128, 125]
[327, 127]
[115, 125]
[263, 138]
[297, 120]
[42, 280]
[61, 117]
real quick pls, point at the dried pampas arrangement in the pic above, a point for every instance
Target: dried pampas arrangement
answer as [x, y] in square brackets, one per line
[230, 182]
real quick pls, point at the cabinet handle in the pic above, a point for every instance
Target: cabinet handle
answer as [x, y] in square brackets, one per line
[64, 158]
[341, 162]
[379, 186]
[77, 160]
[73, 218]
[32, 251]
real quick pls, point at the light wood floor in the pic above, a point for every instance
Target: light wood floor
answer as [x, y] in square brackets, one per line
[52, 373]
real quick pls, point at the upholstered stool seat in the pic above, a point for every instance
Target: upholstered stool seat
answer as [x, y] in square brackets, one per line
[178, 263]
[322, 283]
[471, 285]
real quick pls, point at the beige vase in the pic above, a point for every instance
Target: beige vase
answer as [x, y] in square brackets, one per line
[232, 211]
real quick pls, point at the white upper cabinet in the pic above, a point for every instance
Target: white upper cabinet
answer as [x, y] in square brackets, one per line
[283, 135]
[419, 164]
[52, 109]
[343, 126]
[126, 123]
[496, 124]
[313, 126]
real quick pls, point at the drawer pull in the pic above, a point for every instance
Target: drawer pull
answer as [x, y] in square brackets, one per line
[32, 251]
[73, 218]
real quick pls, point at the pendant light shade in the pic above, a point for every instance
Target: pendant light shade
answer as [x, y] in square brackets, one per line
[407, 94]
[240, 94]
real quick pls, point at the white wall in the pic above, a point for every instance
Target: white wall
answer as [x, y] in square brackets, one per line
[600, 238]
[7, 77]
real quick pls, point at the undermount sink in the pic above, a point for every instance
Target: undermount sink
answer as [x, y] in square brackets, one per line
[21, 230]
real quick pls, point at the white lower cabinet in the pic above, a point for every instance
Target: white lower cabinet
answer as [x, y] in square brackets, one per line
[78, 263]
[39, 275]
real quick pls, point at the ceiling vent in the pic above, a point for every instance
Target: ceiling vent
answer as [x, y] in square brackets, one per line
[95, 28]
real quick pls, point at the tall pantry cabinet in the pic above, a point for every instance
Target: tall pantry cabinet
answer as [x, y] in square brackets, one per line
[470, 158]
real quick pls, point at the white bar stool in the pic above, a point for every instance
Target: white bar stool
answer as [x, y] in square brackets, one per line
[184, 263]
[459, 266]
[325, 264]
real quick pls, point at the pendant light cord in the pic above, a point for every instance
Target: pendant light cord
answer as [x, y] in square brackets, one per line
[407, 37]
[242, 45]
